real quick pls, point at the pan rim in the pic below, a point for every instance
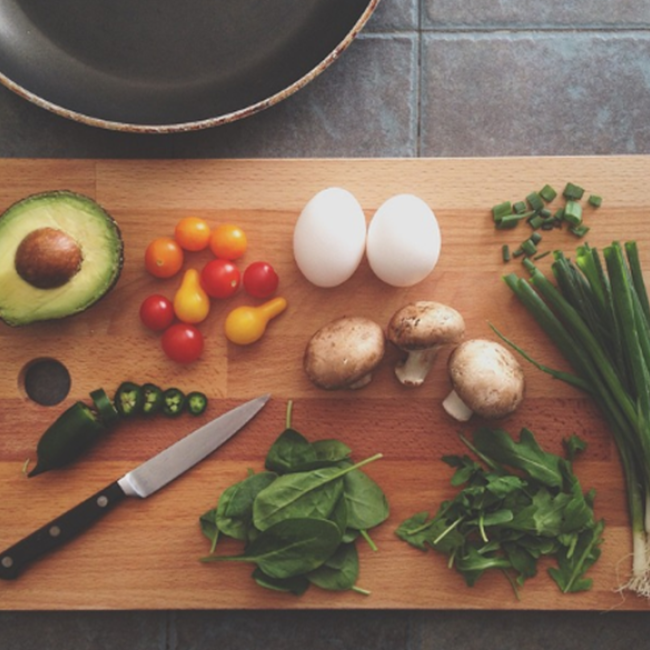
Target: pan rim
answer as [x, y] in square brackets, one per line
[195, 125]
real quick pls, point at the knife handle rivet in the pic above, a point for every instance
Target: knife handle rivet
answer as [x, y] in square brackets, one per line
[7, 562]
[102, 501]
[55, 531]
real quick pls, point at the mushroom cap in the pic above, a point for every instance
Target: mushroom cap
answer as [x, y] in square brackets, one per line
[343, 352]
[425, 324]
[487, 377]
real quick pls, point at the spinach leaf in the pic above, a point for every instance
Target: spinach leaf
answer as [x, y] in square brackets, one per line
[297, 585]
[208, 523]
[302, 494]
[367, 505]
[339, 572]
[290, 451]
[289, 548]
[234, 514]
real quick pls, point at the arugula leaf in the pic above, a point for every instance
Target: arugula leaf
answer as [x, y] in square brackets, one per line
[516, 504]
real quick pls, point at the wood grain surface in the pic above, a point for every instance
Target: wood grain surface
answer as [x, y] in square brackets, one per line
[145, 555]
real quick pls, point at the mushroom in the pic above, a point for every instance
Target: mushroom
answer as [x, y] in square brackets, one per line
[487, 380]
[344, 352]
[420, 329]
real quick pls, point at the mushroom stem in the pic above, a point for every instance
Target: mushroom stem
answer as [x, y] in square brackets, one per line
[455, 406]
[415, 368]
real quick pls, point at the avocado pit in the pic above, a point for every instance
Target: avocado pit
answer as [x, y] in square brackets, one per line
[48, 258]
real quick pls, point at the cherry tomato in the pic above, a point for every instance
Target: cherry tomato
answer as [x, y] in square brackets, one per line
[192, 233]
[228, 242]
[220, 278]
[260, 280]
[163, 257]
[157, 312]
[182, 343]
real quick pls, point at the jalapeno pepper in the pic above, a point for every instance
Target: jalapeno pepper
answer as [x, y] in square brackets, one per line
[129, 399]
[74, 431]
[196, 402]
[173, 402]
[105, 408]
[153, 399]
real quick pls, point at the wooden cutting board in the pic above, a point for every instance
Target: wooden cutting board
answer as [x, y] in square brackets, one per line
[145, 554]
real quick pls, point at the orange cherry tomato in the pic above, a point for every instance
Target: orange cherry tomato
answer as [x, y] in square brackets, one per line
[163, 257]
[228, 242]
[192, 233]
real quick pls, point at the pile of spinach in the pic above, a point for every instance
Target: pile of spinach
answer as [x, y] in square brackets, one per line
[299, 518]
[516, 505]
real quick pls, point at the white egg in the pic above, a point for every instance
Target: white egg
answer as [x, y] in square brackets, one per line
[403, 243]
[329, 237]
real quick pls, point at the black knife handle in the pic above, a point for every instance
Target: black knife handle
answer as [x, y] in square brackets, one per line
[16, 558]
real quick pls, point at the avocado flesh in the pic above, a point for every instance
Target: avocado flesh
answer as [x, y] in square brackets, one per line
[89, 225]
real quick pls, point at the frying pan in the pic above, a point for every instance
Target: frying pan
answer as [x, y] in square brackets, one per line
[169, 65]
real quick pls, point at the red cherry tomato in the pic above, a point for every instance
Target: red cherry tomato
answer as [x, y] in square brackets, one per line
[182, 343]
[260, 280]
[157, 312]
[220, 278]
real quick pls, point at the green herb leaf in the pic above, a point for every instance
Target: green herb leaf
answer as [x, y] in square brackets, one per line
[289, 548]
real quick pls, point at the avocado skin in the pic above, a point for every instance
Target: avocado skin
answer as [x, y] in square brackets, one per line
[79, 206]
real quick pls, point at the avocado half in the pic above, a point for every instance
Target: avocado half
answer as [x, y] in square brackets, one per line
[60, 252]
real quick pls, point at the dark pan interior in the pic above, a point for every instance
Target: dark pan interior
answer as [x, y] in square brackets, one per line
[161, 62]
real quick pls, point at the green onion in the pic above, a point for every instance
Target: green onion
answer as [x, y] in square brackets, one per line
[529, 247]
[573, 192]
[595, 200]
[573, 213]
[547, 193]
[579, 231]
[519, 207]
[505, 253]
[597, 314]
[535, 201]
[511, 220]
[536, 222]
[502, 210]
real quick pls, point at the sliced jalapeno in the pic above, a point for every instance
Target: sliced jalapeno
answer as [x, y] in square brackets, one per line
[107, 412]
[129, 399]
[196, 402]
[74, 431]
[153, 399]
[173, 402]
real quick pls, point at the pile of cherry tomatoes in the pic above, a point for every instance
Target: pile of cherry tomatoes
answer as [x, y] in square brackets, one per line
[219, 278]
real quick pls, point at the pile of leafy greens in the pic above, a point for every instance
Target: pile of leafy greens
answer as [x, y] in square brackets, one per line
[516, 504]
[300, 518]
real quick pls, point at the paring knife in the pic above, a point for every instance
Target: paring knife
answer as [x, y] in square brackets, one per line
[140, 482]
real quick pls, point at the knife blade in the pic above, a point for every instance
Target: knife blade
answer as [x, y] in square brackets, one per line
[143, 481]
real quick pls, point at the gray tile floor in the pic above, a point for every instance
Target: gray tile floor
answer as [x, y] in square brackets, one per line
[426, 78]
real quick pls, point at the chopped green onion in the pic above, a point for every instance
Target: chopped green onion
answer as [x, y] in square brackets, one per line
[502, 210]
[579, 231]
[573, 213]
[505, 253]
[535, 238]
[547, 193]
[573, 192]
[541, 255]
[595, 200]
[529, 247]
[536, 222]
[519, 207]
[511, 220]
[535, 201]
[545, 213]
[518, 252]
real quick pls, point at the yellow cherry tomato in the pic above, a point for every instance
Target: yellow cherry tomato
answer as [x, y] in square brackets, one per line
[191, 302]
[245, 325]
[192, 233]
[228, 242]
